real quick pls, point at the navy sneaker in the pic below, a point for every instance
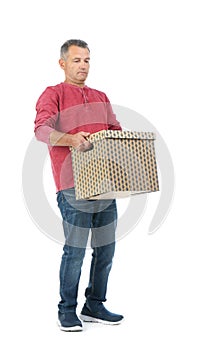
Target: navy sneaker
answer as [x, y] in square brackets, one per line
[69, 322]
[101, 316]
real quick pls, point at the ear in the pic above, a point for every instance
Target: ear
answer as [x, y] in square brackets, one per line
[62, 63]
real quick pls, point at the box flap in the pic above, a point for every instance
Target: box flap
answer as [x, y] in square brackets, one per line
[118, 134]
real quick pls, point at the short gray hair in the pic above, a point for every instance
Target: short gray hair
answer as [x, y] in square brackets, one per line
[76, 42]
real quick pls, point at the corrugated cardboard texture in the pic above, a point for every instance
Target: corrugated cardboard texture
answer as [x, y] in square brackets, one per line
[121, 163]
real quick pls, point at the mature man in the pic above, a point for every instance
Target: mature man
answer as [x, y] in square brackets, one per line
[66, 115]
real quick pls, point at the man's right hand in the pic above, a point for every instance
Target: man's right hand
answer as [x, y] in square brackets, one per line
[77, 141]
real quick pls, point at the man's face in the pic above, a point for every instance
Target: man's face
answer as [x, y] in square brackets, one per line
[76, 65]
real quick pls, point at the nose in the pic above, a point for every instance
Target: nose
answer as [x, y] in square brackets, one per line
[83, 65]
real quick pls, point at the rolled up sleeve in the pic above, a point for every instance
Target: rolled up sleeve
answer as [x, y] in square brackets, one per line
[113, 123]
[47, 112]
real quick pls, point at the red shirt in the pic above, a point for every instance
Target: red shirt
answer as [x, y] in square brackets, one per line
[70, 109]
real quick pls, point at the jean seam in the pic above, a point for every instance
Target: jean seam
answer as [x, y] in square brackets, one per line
[63, 274]
[94, 268]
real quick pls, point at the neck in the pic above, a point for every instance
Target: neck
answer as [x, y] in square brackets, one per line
[79, 84]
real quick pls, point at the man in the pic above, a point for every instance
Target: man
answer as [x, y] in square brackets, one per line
[66, 115]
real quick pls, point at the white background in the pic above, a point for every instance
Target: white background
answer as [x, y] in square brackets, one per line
[144, 56]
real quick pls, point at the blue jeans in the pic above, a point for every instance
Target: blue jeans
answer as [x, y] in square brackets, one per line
[79, 219]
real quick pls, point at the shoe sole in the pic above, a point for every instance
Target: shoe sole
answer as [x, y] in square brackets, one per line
[69, 329]
[86, 318]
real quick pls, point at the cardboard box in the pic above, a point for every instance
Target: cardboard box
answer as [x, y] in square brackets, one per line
[121, 163]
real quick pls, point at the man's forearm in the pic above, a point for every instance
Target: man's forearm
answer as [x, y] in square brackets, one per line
[58, 138]
[77, 141]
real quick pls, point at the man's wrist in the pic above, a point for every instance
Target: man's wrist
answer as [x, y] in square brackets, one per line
[68, 139]
[58, 138]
